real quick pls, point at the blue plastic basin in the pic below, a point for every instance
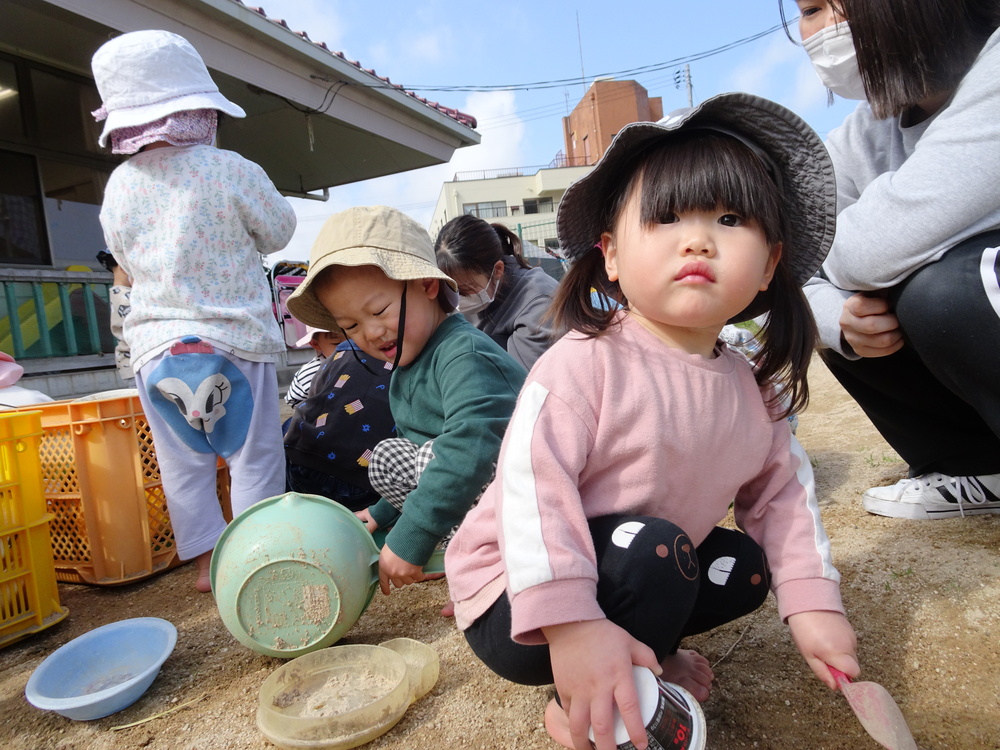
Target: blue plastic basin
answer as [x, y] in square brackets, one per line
[102, 671]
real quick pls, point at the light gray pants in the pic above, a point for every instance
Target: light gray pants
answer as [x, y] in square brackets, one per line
[257, 469]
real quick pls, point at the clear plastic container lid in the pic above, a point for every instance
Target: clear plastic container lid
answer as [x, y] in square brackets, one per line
[344, 696]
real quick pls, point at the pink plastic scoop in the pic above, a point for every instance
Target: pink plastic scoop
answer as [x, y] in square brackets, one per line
[877, 712]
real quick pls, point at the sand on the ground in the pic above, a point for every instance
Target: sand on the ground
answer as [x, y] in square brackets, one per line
[924, 598]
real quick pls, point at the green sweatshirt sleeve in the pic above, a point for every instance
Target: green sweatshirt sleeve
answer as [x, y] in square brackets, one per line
[478, 391]
[383, 513]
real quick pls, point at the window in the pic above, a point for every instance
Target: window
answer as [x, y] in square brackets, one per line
[11, 125]
[73, 196]
[52, 172]
[22, 226]
[63, 107]
[486, 209]
[538, 205]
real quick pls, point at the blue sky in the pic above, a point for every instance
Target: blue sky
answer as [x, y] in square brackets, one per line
[426, 43]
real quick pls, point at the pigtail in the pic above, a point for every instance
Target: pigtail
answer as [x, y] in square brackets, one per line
[572, 305]
[511, 244]
[787, 339]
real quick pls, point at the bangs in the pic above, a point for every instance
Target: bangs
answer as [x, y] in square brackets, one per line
[705, 171]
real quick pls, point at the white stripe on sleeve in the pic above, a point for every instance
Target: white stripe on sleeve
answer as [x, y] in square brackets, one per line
[820, 539]
[988, 272]
[525, 555]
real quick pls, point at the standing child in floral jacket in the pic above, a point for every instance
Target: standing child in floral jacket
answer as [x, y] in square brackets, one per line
[187, 222]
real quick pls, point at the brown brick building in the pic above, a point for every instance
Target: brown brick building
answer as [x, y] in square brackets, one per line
[604, 110]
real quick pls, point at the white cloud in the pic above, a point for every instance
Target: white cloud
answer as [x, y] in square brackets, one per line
[416, 192]
[427, 47]
[766, 72]
[318, 18]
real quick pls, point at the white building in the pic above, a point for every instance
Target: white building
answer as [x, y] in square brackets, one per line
[523, 198]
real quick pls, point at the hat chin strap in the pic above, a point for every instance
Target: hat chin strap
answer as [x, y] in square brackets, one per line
[402, 329]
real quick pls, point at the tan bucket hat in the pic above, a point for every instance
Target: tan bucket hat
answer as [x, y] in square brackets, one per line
[802, 167]
[366, 236]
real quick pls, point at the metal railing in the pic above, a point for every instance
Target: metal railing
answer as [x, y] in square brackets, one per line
[498, 212]
[560, 161]
[47, 313]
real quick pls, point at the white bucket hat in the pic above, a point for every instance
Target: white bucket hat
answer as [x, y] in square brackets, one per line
[310, 332]
[143, 76]
[802, 166]
[367, 236]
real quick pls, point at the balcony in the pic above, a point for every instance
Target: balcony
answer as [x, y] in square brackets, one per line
[560, 161]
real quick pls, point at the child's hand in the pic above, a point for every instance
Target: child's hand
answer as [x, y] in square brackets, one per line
[367, 520]
[592, 665]
[395, 570]
[826, 638]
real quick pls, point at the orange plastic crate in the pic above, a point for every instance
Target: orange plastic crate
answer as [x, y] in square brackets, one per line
[29, 595]
[102, 485]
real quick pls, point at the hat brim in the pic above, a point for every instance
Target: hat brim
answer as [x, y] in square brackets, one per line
[807, 178]
[305, 306]
[304, 341]
[131, 117]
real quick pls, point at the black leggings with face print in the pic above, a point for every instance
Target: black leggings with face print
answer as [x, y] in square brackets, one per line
[652, 582]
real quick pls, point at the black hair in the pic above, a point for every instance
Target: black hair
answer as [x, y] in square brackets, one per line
[470, 244]
[911, 49]
[700, 170]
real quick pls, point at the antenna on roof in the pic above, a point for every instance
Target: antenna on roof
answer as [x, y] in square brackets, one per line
[579, 41]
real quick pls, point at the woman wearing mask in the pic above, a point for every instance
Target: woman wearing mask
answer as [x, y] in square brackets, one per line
[501, 294]
[908, 300]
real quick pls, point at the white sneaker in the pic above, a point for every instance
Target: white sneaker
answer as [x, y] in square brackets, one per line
[933, 496]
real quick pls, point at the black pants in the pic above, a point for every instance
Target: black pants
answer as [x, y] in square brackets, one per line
[937, 400]
[659, 588]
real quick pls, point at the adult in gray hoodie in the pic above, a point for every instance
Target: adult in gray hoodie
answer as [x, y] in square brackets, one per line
[908, 300]
[501, 293]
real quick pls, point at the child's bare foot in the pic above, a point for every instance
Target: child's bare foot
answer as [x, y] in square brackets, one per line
[557, 724]
[690, 670]
[204, 583]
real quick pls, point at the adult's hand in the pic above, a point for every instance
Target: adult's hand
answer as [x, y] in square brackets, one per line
[869, 327]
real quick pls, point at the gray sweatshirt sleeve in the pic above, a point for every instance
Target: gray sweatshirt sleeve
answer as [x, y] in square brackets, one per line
[827, 303]
[907, 197]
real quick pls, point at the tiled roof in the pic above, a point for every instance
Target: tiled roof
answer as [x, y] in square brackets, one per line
[458, 116]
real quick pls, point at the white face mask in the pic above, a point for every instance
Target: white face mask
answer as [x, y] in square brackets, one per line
[473, 303]
[832, 53]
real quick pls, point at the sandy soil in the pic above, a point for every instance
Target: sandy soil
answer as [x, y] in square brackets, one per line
[924, 598]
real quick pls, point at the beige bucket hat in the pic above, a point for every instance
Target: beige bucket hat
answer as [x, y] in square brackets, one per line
[366, 236]
[143, 76]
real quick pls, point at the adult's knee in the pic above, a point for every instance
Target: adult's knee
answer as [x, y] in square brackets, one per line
[936, 303]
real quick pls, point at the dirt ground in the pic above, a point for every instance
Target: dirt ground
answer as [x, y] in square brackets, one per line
[924, 598]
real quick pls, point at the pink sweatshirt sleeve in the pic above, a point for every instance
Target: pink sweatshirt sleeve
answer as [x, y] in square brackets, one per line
[779, 510]
[544, 537]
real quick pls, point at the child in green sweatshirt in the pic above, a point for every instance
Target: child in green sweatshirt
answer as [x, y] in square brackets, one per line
[372, 274]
